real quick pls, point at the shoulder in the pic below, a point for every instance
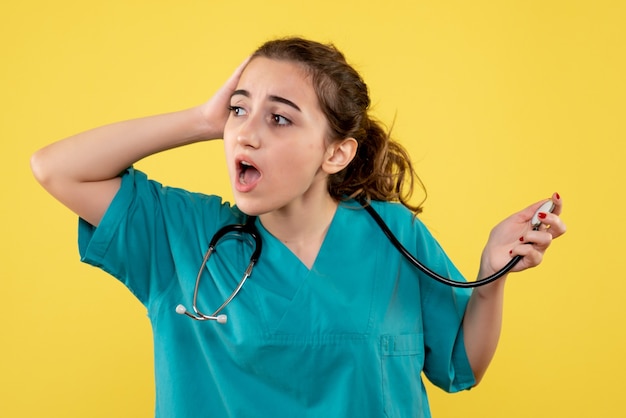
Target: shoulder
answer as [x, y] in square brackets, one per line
[402, 223]
[392, 209]
[153, 198]
[396, 215]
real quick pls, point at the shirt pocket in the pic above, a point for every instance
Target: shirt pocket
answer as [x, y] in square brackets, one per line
[402, 360]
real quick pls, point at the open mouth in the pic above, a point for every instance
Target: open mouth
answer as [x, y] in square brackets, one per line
[248, 174]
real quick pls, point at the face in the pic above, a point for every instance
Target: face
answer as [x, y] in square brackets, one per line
[275, 138]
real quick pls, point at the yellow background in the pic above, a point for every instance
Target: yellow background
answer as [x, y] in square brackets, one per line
[501, 103]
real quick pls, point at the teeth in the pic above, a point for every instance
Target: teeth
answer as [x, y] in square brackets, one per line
[247, 172]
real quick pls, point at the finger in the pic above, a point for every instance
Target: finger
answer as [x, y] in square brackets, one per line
[218, 104]
[556, 224]
[558, 203]
[552, 222]
[530, 210]
[539, 239]
[531, 256]
[528, 213]
[232, 81]
[224, 93]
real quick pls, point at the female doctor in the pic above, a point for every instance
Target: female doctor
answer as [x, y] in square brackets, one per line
[333, 321]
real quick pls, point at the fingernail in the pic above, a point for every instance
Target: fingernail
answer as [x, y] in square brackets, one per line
[510, 252]
[558, 196]
[542, 215]
[521, 239]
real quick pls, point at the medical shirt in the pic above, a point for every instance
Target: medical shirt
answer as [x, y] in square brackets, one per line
[349, 337]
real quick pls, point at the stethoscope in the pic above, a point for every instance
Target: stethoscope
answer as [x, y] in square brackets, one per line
[247, 228]
[250, 229]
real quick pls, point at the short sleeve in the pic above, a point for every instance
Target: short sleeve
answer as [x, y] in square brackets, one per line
[137, 239]
[446, 363]
[442, 307]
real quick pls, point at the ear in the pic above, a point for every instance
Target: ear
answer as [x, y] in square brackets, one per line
[339, 154]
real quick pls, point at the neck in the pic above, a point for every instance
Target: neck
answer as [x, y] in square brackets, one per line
[302, 227]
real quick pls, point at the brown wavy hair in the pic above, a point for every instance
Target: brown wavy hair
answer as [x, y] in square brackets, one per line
[381, 169]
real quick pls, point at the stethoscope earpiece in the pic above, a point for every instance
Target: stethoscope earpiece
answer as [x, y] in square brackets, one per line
[181, 310]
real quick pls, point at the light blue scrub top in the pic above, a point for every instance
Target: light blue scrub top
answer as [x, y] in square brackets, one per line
[348, 338]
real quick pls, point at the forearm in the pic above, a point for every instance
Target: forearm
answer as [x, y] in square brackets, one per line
[482, 325]
[102, 153]
[82, 171]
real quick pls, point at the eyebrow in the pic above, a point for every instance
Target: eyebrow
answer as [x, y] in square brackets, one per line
[272, 98]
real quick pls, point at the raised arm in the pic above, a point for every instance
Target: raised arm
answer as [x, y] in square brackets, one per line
[82, 171]
[483, 318]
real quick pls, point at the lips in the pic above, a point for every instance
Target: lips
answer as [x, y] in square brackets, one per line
[248, 175]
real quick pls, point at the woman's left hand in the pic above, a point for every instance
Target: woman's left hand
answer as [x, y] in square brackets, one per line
[515, 236]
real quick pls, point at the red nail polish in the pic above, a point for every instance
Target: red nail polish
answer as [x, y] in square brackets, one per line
[510, 252]
[521, 239]
[542, 215]
[558, 196]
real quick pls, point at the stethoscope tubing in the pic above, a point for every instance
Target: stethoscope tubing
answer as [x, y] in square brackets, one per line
[416, 263]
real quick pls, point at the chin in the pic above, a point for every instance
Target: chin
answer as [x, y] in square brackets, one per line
[249, 206]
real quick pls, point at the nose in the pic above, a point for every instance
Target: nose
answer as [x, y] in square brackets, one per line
[248, 134]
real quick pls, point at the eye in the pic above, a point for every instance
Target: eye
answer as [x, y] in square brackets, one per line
[236, 110]
[280, 120]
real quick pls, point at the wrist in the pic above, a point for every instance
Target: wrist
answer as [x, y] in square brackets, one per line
[202, 128]
[490, 290]
[210, 122]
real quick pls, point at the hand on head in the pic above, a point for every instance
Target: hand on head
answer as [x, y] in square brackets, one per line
[216, 110]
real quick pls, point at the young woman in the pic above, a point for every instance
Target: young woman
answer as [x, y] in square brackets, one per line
[333, 320]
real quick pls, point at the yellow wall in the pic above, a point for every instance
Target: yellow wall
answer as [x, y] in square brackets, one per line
[500, 102]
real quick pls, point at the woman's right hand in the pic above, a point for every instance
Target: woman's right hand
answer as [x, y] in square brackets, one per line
[216, 110]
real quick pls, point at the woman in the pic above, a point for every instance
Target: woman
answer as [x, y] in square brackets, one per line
[333, 321]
